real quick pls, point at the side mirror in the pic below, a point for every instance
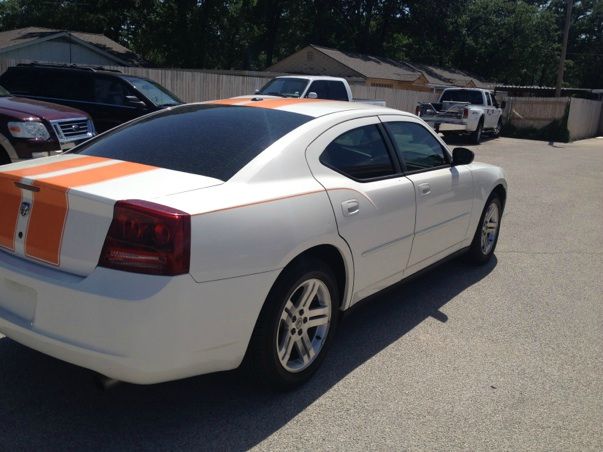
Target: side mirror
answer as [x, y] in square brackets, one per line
[134, 101]
[503, 104]
[462, 156]
[312, 95]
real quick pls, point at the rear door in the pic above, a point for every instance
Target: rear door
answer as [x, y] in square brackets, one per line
[444, 193]
[374, 205]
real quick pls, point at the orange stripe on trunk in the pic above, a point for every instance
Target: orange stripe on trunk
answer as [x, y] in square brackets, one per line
[50, 206]
[56, 166]
[10, 200]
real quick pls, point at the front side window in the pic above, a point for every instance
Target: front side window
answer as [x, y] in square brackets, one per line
[359, 154]
[488, 99]
[416, 146]
[284, 87]
[156, 93]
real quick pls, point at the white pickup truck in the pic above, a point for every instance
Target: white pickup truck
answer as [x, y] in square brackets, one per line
[312, 87]
[464, 110]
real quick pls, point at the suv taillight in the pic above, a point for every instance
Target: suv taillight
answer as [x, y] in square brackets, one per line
[465, 112]
[145, 237]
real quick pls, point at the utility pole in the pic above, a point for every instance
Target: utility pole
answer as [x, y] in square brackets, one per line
[568, 18]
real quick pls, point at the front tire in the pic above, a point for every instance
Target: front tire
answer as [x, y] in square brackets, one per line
[295, 327]
[498, 128]
[486, 236]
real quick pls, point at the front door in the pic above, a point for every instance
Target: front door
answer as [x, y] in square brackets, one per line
[374, 205]
[444, 193]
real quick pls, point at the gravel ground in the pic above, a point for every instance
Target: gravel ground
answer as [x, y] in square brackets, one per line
[503, 357]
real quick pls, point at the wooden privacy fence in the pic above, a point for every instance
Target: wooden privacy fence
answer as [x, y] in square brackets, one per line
[200, 85]
[584, 117]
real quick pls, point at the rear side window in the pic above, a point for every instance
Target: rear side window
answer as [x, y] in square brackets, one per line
[416, 146]
[65, 85]
[329, 89]
[210, 140]
[19, 82]
[463, 95]
[359, 154]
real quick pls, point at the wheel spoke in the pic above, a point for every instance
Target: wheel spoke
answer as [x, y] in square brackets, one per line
[285, 351]
[305, 347]
[318, 317]
[287, 314]
[310, 291]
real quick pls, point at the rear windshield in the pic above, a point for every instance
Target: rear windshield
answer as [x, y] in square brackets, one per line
[463, 95]
[210, 140]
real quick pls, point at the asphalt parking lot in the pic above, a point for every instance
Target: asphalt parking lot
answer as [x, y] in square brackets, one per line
[503, 357]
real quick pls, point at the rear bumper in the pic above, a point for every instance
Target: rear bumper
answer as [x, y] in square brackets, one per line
[136, 328]
[447, 126]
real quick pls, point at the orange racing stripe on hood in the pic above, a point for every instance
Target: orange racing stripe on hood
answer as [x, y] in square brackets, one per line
[51, 205]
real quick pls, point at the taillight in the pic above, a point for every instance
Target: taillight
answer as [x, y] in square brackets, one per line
[145, 237]
[465, 112]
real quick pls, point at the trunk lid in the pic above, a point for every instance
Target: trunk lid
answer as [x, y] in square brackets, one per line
[57, 210]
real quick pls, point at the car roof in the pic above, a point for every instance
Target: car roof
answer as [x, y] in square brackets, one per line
[309, 107]
[313, 77]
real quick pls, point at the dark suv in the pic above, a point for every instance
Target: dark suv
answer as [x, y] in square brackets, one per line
[109, 97]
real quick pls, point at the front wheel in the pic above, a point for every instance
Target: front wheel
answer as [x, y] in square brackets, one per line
[295, 327]
[486, 236]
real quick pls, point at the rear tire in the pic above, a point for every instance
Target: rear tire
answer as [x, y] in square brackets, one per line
[486, 236]
[295, 327]
[498, 128]
[476, 136]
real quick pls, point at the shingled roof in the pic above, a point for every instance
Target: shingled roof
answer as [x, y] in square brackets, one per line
[23, 37]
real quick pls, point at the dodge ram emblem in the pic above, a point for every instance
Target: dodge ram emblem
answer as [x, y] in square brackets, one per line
[25, 206]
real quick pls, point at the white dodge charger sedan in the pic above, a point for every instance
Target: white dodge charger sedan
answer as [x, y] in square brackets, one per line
[208, 236]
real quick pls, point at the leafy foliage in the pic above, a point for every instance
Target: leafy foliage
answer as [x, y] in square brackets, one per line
[509, 41]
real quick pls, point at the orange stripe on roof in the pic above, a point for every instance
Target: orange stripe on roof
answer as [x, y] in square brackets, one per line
[56, 166]
[264, 103]
[277, 103]
[230, 101]
[10, 200]
[50, 206]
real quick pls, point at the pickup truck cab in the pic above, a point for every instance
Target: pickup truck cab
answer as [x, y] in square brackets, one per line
[312, 87]
[464, 110]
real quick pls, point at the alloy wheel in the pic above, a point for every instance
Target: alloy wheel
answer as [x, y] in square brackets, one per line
[304, 325]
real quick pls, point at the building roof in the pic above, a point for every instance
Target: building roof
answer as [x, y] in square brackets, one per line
[23, 37]
[372, 66]
[369, 66]
[437, 75]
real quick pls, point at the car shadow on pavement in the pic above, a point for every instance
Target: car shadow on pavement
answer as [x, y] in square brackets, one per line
[47, 404]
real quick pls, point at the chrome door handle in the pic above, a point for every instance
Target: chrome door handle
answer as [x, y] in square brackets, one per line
[350, 207]
[424, 189]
